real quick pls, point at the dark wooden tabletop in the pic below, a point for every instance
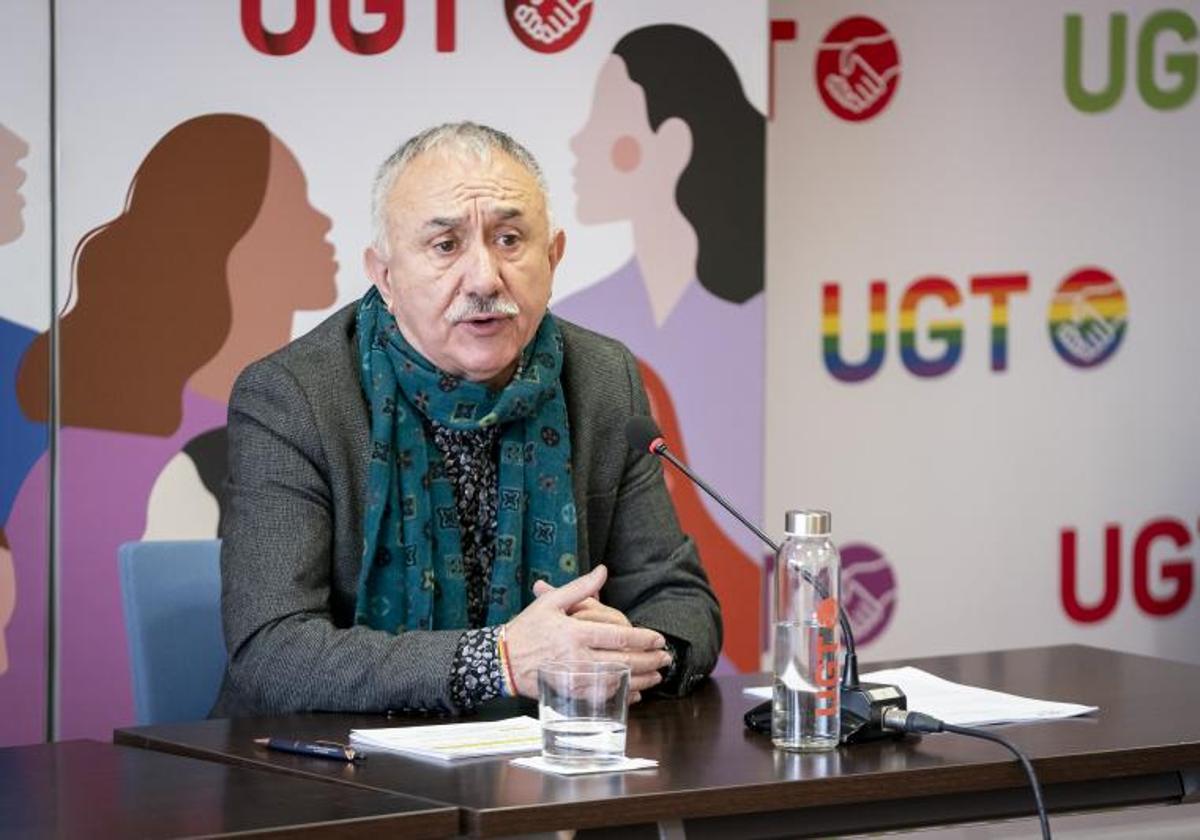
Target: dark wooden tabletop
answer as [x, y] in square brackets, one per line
[84, 789]
[1133, 750]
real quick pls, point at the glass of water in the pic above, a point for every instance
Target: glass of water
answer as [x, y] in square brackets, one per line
[582, 707]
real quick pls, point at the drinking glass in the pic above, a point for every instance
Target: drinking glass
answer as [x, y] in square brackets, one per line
[582, 707]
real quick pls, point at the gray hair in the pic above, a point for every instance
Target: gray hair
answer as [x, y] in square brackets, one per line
[463, 138]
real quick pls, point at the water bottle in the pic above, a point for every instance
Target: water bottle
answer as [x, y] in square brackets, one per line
[804, 707]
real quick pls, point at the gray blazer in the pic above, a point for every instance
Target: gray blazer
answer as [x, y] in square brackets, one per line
[298, 451]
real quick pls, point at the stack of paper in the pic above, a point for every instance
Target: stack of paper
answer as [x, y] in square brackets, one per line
[962, 705]
[450, 741]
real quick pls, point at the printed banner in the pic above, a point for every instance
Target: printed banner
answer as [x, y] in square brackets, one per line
[25, 312]
[215, 165]
[982, 266]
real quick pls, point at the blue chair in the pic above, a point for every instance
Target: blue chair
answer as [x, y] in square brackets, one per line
[171, 592]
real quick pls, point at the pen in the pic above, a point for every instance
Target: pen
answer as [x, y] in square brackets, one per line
[316, 749]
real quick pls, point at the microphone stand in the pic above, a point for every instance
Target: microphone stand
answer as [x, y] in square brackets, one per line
[861, 705]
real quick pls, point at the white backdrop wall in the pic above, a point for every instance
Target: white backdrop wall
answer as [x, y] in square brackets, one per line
[980, 163]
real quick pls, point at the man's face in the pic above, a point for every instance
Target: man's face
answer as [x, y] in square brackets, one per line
[471, 263]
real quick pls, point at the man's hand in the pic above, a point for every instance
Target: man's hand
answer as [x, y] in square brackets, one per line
[570, 623]
[589, 609]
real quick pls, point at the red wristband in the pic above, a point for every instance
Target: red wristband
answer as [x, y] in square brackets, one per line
[510, 681]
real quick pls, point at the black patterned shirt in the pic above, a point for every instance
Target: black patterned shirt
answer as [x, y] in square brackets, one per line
[471, 458]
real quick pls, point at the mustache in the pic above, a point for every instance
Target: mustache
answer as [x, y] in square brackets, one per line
[475, 306]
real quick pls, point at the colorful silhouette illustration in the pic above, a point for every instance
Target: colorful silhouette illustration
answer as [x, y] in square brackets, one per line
[281, 265]
[156, 291]
[12, 150]
[683, 164]
[738, 591]
[8, 597]
[185, 501]
[21, 441]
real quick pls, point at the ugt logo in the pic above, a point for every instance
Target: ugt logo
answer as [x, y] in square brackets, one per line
[826, 668]
[389, 26]
[868, 591]
[858, 68]
[1087, 321]
[1161, 587]
[1087, 317]
[548, 26]
[1158, 30]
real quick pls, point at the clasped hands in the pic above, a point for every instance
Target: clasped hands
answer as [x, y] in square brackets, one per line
[570, 623]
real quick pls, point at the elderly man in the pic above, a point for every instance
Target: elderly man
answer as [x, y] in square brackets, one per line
[430, 494]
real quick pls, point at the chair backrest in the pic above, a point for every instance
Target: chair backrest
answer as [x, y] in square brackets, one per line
[171, 592]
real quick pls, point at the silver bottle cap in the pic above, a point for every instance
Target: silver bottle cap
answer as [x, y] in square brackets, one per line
[807, 523]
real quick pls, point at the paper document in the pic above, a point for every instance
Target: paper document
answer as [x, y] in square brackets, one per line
[449, 741]
[962, 705]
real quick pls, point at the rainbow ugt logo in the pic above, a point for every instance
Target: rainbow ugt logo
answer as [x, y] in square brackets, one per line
[1087, 317]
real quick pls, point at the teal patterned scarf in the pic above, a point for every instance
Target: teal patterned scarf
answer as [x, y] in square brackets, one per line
[412, 569]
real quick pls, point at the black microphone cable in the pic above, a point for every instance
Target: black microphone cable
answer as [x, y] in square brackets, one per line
[901, 720]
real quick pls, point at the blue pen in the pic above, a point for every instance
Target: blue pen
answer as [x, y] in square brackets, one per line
[316, 749]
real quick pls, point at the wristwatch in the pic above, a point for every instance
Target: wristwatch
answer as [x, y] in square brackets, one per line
[672, 674]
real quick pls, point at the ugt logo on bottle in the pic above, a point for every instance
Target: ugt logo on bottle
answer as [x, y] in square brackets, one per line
[826, 668]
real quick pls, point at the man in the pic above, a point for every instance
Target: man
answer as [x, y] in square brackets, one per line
[430, 494]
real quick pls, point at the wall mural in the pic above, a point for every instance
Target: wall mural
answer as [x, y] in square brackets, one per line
[22, 441]
[682, 163]
[170, 300]
[187, 248]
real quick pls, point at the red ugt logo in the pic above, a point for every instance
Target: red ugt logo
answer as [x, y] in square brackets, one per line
[826, 668]
[548, 26]
[858, 68]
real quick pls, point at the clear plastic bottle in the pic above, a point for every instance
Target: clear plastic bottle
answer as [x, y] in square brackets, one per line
[804, 711]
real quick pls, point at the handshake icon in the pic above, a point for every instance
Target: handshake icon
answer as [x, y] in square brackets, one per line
[1088, 335]
[864, 72]
[549, 21]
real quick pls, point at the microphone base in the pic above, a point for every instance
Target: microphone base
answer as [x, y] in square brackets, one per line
[861, 709]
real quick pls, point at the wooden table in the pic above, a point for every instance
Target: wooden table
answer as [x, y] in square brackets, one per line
[714, 778]
[82, 789]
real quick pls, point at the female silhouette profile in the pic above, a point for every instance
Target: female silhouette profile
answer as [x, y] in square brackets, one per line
[282, 264]
[153, 305]
[682, 163]
[12, 150]
[21, 441]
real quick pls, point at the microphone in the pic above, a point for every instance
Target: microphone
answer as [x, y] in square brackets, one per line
[861, 705]
[643, 433]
